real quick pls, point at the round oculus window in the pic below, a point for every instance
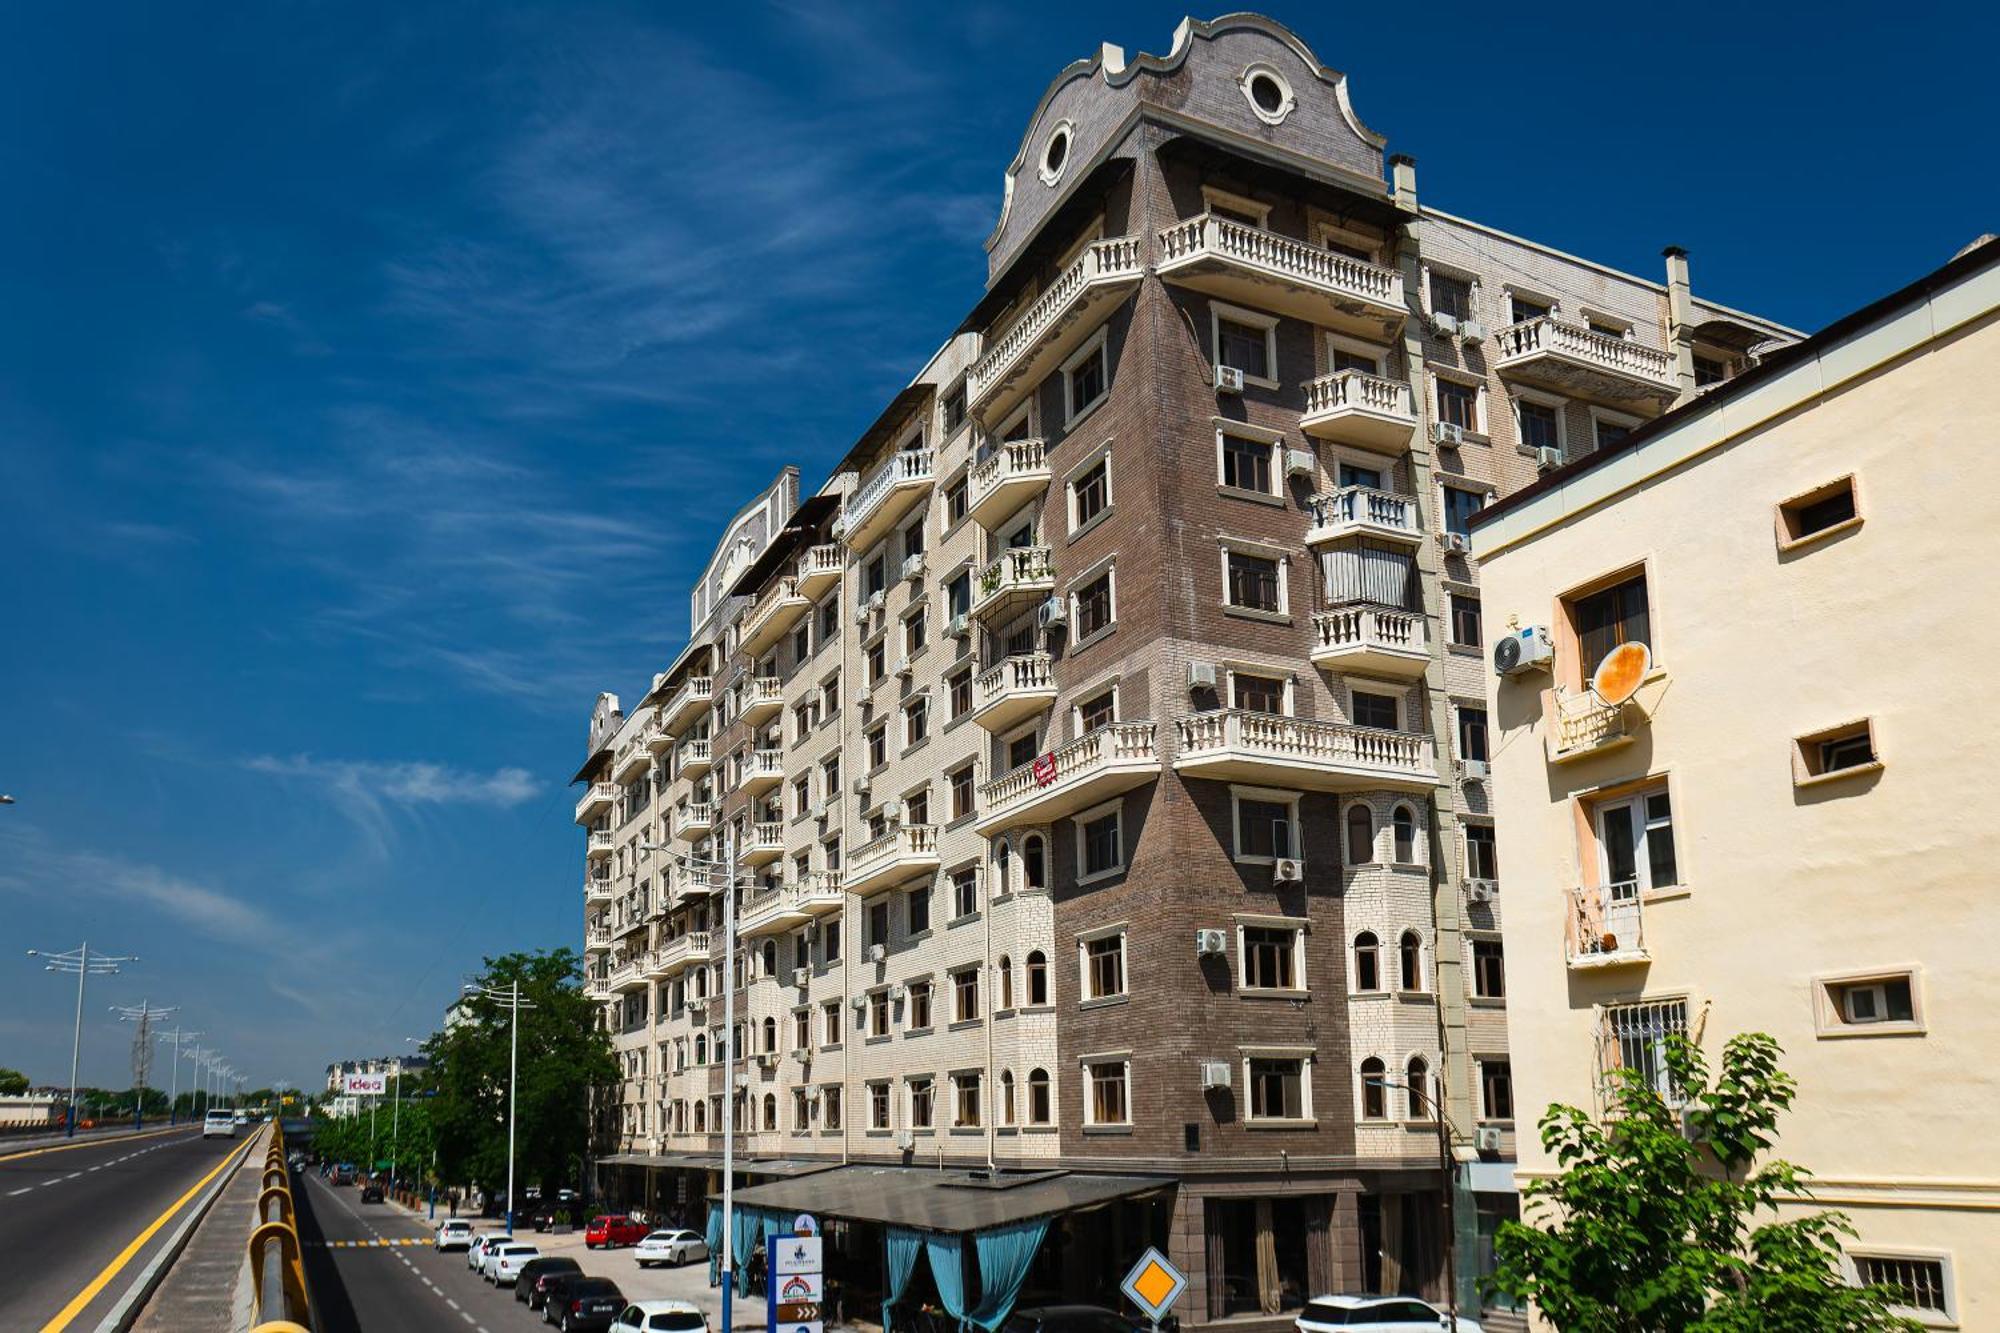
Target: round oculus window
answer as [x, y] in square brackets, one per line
[1055, 154]
[1266, 93]
[1269, 96]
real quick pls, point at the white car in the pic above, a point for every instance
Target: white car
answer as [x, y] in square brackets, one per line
[218, 1125]
[670, 1247]
[477, 1253]
[455, 1234]
[503, 1262]
[1376, 1314]
[661, 1317]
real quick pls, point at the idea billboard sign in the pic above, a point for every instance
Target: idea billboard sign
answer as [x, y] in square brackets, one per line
[364, 1085]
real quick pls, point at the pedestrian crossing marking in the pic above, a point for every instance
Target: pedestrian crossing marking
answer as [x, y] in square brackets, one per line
[368, 1244]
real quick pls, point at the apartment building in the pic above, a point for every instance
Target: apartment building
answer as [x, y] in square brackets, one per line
[1738, 846]
[1107, 737]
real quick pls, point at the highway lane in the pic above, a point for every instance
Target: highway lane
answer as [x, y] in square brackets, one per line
[68, 1212]
[367, 1277]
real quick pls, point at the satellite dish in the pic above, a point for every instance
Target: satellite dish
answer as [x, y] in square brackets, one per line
[1620, 674]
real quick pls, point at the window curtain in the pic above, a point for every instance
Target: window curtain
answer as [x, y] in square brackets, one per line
[900, 1246]
[714, 1243]
[1005, 1254]
[1371, 574]
[947, 1256]
[745, 1224]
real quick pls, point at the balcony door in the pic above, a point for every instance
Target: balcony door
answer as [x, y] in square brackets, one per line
[1635, 852]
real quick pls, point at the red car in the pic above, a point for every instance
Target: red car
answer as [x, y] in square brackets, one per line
[613, 1229]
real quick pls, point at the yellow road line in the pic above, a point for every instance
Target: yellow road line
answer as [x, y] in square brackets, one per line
[83, 1298]
[98, 1142]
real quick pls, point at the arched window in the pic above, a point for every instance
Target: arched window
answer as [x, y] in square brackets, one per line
[1039, 1111]
[1038, 978]
[1035, 862]
[1006, 982]
[701, 1117]
[770, 958]
[770, 1110]
[700, 1049]
[770, 1034]
[1006, 1096]
[1410, 961]
[1367, 962]
[1360, 835]
[1417, 1077]
[1404, 821]
[1374, 1097]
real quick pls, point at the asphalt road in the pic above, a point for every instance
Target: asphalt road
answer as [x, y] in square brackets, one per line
[68, 1213]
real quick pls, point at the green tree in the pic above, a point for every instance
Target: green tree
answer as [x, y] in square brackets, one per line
[564, 1053]
[1653, 1225]
[12, 1082]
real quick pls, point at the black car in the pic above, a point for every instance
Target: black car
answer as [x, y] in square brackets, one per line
[579, 1304]
[1070, 1319]
[538, 1274]
[371, 1193]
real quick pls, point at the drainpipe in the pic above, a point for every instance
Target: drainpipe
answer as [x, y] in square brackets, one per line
[1680, 320]
[1403, 180]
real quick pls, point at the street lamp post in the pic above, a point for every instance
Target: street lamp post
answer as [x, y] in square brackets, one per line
[396, 1115]
[174, 1097]
[84, 964]
[512, 995]
[143, 1014]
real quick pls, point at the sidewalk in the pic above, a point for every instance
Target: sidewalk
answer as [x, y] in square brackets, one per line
[206, 1287]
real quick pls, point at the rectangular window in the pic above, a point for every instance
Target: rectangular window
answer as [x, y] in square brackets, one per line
[1263, 828]
[1472, 734]
[1375, 710]
[1869, 1005]
[922, 1092]
[955, 507]
[1541, 427]
[802, 795]
[802, 641]
[1093, 606]
[1107, 1101]
[1496, 1090]
[1254, 583]
[960, 780]
[1244, 346]
[878, 1013]
[829, 1102]
[1522, 309]
[1458, 405]
[1609, 433]
[1104, 967]
[965, 1101]
[1489, 972]
[829, 619]
[1635, 842]
[1086, 379]
[919, 915]
[1021, 751]
[916, 633]
[1270, 958]
[1920, 1284]
[829, 942]
[964, 892]
[878, 1106]
[1482, 858]
[916, 720]
[878, 921]
[829, 1024]
[1708, 370]
[1450, 296]
[917, 807]
[920, 1006]
[1090, 493]
[876, 577]
[1820, 510]
[1635, 1037]
[959, 685]
[954, 409]
[1603, 620]
[1098, 711]
[1257, 694]
[1246, 464]
[1459, 507]
[964, 996]
[1277, 1089]
[877, 662]
[878, 747]
[1465, 626]
[1103, 848]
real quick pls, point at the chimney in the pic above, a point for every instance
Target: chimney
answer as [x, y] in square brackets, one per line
[1680, 319]
[1403, 179]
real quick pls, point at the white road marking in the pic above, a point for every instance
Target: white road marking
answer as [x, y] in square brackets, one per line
[23, 1190]
[453, 1304]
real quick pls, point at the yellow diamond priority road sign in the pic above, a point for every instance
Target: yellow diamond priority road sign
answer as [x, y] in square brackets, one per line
[1154, 1284]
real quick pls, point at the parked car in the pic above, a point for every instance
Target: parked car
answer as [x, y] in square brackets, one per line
[1070, 1319]
[477, 1253]
[343, 1173]
[531, 1287]
[371, 1193]
[218, 1125]
[507, 1261]
[613, 1229]
[670, 1247]
[454, 1234]
[661, 1317]
[583, 1304]
[1376, 1314]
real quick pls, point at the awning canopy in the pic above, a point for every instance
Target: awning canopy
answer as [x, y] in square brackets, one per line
[949, 1201]
[765, 1166]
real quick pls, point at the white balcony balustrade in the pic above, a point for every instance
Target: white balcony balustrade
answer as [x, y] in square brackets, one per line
[694, 758]
[690, 701]
[1580, 362]
[1363, 511]
[895, 487]
[902, 853]
[1585, 725]
[598, 845]
[1241, 746]
[1094, 767]
[1009, 475]
[1018, 578]
[1022, 354]
[1606, 926]
[597, 798]
[1366, 411]
[763, 770]
[819, 570]
[763, 699]
[1012, 689]
[773, 614]
[763, 844]
[1374, 639]
[1238, 262]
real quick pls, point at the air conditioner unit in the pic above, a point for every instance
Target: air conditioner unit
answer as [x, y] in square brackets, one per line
[1301, 463]
[1208, 943]
[863, 695]
[904, 668]
[1052, 614]
[769, 1060]
[1471, 330]
[742, 1080]
[1228, 379]
[1487, 1137]
[874, 601]
[1201, 675]
[1445, 324]
[839, 528]
[892, 811]
[818, 811]
[960, 626]
[899, 993]
[1288, 870]
[802, 1054]
[1481, 890]
[802, 976]
[1447, 432]
[913, 566]
[860, 1004]
[1454, 543]
[878, 952]
[1214, 1075]
[905, 1140]
[860, 788]
[1548, 458]
[1523, 650]
[1473, 770]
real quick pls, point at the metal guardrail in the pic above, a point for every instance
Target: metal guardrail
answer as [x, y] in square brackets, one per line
[279, 1302]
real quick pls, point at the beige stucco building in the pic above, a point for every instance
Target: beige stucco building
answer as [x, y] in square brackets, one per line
[1783, 830]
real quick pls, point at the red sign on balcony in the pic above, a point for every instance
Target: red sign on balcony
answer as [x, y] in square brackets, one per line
[1044, 769]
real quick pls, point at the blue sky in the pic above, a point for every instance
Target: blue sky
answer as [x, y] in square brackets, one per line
[372, 378]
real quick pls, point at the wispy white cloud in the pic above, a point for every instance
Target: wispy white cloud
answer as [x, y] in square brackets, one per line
[370, 793]
[213, 913]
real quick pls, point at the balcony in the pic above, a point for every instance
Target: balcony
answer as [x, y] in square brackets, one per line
[894, 488]
[1021, 577]
[655, 736]
[695, 758]
[765, 844]
[819, 570]
[1585, 726]
[1013, 689]
[690, 701]
[628, 975]
[902, 853]
[682, 952]
[1113, 759]
[1606, 926]
[1363, 410]
[1582, 363]
[696, 819]
[596, 939]
[598, 797]
[631, 763]
[763, 699]
[598, 845]
[763, 770]
[1274, 750]
[654, 964]
[1361, 511]
[1239, 262]
[1372, 639]
[597, 892]
[794, 905]
[1015, 472]
[773, 614]
[1020, 356]
[597, 989]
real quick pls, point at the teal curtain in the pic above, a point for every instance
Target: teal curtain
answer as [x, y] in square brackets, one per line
[746, 1223]
[947, 1256]
[714, 1243]
[900, 1246]
[1004, 1256]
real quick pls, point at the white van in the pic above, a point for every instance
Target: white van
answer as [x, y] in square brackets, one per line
[218, 1125]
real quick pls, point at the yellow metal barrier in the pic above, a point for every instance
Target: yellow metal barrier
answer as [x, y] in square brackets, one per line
[279, 1302]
